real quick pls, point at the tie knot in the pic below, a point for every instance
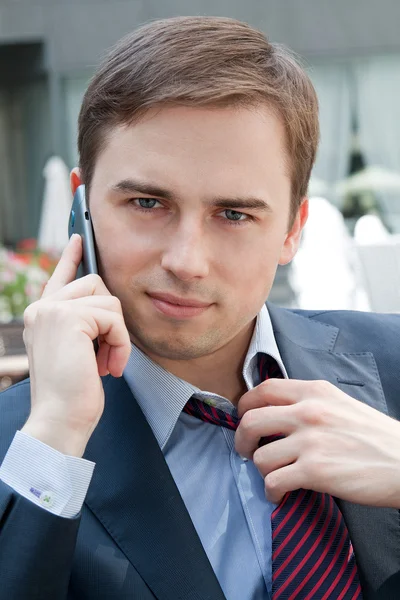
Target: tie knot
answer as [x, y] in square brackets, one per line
[210, 414]
[267, 368]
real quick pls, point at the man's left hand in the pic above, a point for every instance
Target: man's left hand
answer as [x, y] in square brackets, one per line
[332, 443]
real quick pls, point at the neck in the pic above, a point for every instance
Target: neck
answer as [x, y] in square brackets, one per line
[220, 372]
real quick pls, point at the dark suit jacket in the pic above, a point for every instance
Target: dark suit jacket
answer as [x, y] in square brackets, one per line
[134, 537]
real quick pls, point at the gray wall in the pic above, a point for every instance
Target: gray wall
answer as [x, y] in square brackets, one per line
[72, 35]
[76, 32]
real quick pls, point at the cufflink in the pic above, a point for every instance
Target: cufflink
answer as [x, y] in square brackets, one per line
[46, 499]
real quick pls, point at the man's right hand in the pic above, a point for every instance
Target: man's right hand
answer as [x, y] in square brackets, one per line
[67, 397]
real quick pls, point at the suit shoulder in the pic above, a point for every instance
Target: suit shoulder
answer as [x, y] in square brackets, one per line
[15, 404]
[378, 332]
[354, 318]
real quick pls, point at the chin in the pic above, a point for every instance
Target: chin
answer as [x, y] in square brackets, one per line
[173, 345]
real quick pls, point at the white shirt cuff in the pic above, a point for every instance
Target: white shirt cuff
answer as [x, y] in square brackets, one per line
[49, 478]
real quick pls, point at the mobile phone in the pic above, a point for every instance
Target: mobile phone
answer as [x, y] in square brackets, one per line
[80, 222]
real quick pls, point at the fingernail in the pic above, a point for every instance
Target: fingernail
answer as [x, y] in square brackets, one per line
[244, 459]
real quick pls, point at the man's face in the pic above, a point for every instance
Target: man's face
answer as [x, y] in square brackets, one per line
[193, 203]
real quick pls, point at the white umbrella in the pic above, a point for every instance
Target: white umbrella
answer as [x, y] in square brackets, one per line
[56, 206]
[373, 179]
[369, 230]
[324, 273]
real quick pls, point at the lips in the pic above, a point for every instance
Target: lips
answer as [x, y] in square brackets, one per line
[178, 308]
[179, 301]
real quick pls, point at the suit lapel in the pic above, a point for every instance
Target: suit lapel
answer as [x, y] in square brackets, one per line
[135, 498]
[306, 347]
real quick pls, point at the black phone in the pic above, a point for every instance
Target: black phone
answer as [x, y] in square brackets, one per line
[80, 222]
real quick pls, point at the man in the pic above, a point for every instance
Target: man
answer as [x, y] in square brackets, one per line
[215, 447]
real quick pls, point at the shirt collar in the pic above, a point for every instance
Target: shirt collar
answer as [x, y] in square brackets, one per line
[162, 396]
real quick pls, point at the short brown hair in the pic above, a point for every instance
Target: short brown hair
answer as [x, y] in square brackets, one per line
[201, 61]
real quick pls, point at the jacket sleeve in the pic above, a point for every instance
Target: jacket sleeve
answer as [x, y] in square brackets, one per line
[36, 549]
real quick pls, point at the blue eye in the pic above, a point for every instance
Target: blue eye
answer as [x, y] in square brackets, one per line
[147, 202]
[233, 215]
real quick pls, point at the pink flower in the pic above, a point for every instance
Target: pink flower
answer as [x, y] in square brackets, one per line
[7, 276]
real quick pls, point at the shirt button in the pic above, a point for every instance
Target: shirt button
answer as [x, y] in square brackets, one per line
[47, 499]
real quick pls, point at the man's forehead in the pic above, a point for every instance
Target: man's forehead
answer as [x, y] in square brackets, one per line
[181, 147]
[190, 122]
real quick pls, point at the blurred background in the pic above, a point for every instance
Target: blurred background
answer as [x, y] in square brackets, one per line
[350, 253]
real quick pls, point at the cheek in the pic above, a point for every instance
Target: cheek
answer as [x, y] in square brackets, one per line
[251, 275]
[122, 250]
[259, 251]
[258, 277]
[255, 268]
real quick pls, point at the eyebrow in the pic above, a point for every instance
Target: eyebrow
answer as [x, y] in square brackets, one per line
[131, 186]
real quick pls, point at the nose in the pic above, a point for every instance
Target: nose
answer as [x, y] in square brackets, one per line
[186, 253]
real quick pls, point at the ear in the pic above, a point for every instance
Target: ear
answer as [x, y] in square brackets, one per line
[75, 179]
[293, 237]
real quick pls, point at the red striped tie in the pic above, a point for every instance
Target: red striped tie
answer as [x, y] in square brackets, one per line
[312, 555]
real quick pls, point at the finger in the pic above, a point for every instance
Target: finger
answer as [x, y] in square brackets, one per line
[110, 325]
[108, 302]
[262, 422]
[67, 266]
[276, 454]
[90, 285]
[118, 358]
[283, 480]
[79, 294]
[103, 355]
[278, 392]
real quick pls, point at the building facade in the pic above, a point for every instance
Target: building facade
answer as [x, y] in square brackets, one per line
[49, 49]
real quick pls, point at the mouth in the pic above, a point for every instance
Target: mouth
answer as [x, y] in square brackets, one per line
[181, 308]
